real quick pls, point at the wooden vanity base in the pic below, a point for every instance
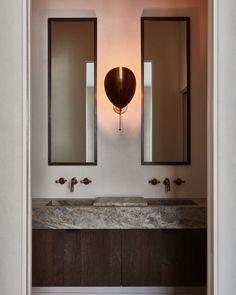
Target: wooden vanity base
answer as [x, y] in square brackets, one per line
[171, 257]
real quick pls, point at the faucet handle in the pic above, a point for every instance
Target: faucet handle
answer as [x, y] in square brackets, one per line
[154, 181]
[61, 180]
[179, 181]
[85, 181]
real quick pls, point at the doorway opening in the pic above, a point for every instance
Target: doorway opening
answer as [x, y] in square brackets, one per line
[36, 186]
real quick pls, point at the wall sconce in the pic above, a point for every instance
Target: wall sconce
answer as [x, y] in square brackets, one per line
[120, 84]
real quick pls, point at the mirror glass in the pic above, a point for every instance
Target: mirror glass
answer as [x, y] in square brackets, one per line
[166, 90]
[72, 88]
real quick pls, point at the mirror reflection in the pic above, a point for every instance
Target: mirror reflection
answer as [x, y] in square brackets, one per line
[72, 81]
[166, 90]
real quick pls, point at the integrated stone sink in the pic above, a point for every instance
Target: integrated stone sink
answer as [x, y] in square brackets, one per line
[101, 202]
[70, 202]
[120, 202]
[171, 202]
[128, 213]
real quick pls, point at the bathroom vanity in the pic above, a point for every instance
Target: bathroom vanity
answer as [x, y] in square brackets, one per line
[78, 244]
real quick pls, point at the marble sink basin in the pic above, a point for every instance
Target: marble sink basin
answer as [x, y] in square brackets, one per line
[121, 202]
[83, 214]
[171, 202]
[101, 202]
[70, 202]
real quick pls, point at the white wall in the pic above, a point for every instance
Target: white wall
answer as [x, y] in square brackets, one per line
[225, 159]
[12, 147]
[119, 153]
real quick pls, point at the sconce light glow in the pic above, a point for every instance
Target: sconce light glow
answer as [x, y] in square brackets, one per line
[120, 85]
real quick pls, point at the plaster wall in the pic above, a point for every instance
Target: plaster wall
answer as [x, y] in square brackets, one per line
[119, 170]
[13, 142]
[225, 155]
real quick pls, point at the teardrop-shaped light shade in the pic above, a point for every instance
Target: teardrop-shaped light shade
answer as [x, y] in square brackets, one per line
[120, 84]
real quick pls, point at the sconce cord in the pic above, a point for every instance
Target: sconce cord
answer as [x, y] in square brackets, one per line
[120, 111]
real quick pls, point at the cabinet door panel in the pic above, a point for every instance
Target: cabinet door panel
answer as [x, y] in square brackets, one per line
[47, 257]
[192, 256]
[189, 264]
[101, 257]
[164, 257]
[72, 258]
[141, 257]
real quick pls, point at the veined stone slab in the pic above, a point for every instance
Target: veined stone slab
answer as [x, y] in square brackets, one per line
[120, 202]
[81, 214]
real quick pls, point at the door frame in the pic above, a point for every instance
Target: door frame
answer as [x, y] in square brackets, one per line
[213, 266]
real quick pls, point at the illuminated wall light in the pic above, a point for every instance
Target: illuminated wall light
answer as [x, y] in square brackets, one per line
[120, 85]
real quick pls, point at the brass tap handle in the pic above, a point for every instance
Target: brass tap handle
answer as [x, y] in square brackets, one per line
[154, 181]
[86, 181]
[61, 180]
[179, 181]
[74, 181]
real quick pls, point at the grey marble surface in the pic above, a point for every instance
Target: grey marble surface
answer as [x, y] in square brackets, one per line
[81, 214]
[120, 202]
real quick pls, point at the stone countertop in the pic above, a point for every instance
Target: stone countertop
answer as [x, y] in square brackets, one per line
[81, 214]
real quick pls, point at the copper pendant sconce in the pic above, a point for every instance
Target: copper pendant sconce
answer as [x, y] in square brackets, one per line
[120, 85]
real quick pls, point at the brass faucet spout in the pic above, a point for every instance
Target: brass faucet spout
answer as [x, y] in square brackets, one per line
[73, 182]
[166, 183]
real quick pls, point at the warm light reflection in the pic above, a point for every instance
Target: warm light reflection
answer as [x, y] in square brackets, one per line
[120, 73]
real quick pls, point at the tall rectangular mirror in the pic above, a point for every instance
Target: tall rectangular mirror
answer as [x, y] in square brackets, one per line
[72, 91]
[166, 90]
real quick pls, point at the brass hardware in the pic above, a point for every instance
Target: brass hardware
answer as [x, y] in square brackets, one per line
[74, 181]
[61, 180]
[85, 181]
[179, 181]
[154, 181]
[166, 182]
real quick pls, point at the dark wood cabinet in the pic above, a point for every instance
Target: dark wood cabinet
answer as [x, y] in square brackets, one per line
[164, 257]
[101, 257]
[76, 258]
[119, 257]
[56, 258]
[72, 257]
[142, 253]
[47, 258]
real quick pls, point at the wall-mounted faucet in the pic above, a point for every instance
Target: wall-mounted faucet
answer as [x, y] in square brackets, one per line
[166, 183]
[73, 182]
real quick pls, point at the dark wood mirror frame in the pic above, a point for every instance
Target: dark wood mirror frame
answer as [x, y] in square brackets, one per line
[50, 162]
[188, 147]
